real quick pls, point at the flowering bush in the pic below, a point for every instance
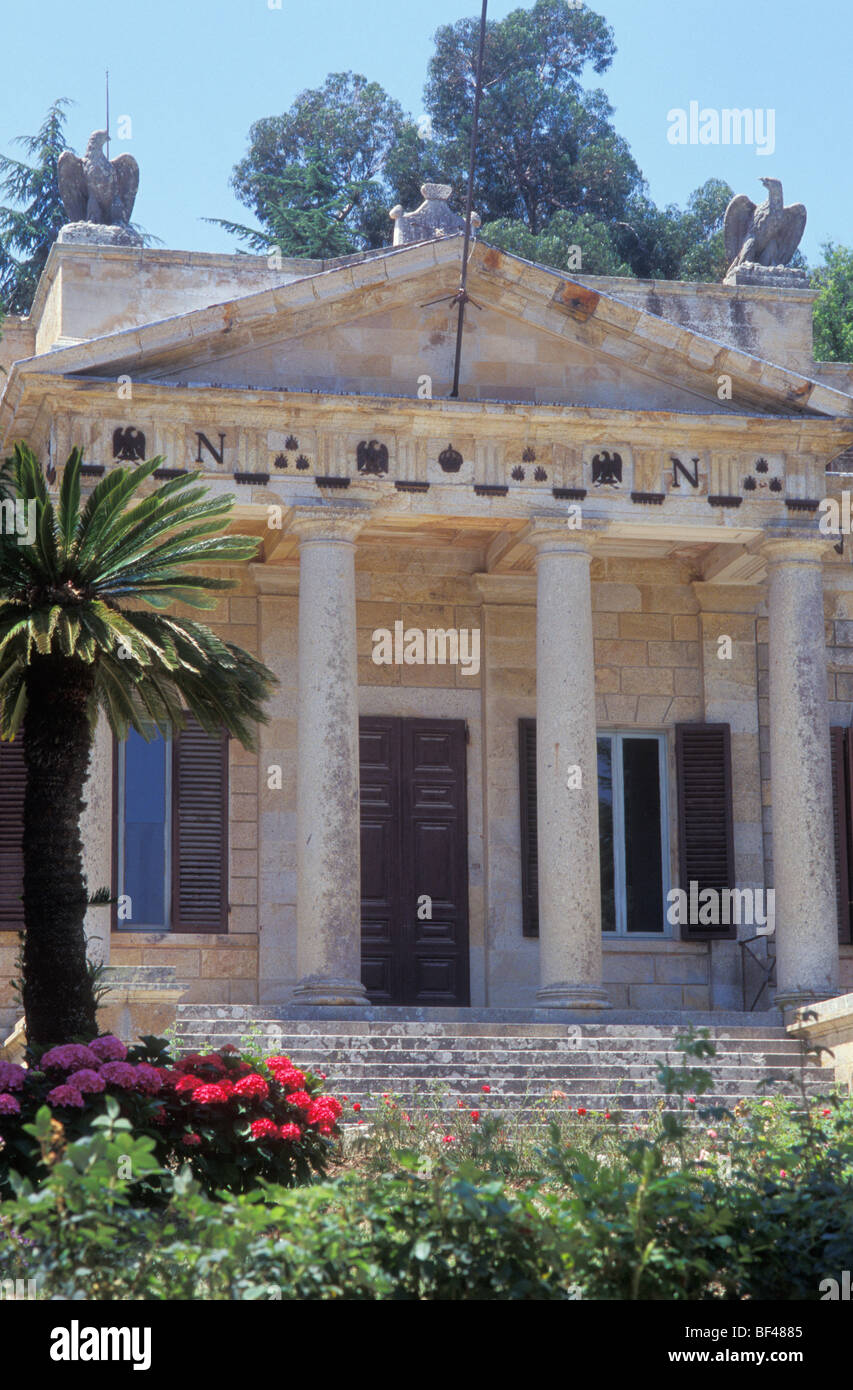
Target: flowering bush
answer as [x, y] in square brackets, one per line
[233, 1121]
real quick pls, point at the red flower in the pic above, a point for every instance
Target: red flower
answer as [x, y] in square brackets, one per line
[460, 1105]
[826, 1112]
[252, 1087]
[356, 1105]
[210, 1095]
[290, 1132]
[581, 1110]
[691, 1100]
[475, 1116]
[191, 1140]
[264, 1129]
[486, 1090]
[188, 1083]
[449, 1139]
[300, 1099]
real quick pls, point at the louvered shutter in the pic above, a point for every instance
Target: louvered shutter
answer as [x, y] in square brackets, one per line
[841, 769]
[199, 831]
[13, 778]
[529, 852]
[705, 830]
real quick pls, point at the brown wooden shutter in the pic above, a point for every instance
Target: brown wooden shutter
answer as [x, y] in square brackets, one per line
[705, 829]
[199, 831]
[841, 769]
[529, 849]
[13, 778]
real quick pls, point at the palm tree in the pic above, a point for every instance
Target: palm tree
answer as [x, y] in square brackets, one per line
[71, 645]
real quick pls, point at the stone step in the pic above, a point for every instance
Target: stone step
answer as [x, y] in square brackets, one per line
[432, 1065]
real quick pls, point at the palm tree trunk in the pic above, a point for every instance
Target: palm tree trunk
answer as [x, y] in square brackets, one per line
[57, 990]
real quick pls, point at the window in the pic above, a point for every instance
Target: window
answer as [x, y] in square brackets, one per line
[633, 838]
[144, 832]
[171, 832]
[633, 832]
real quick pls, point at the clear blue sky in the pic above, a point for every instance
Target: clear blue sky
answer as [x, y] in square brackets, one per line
[194, 74]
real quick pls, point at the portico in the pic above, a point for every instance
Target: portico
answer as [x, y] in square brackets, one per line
[664, 680]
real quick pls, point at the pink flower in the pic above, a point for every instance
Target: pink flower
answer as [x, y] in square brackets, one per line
[712, 1134]
[210, 1095]
[87, 1080]
[148, 1079]
[108, 1048]
[191, 1140]
[252, 1087]
[12, 1077]
[290, 1132]
[65, 1095]
[120, 1074]
[765, 1103]
[691, 1100]
[782, 1173]
[264, 1129]
[9, 1105]
[449, 1139]
[68, 1057]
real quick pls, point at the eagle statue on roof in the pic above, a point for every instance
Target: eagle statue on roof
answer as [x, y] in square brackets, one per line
[766, 235]
[97, 189]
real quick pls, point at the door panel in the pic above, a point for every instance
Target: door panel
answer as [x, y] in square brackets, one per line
[414, 843]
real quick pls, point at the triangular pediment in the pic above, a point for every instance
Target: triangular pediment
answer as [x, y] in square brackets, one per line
[374, 328]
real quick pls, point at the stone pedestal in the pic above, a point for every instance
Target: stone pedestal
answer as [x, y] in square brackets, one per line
[570, 948]
[328, 913]
[803, 860]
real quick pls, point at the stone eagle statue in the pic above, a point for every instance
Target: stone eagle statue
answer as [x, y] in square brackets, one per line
[765, 235]
[97, 189]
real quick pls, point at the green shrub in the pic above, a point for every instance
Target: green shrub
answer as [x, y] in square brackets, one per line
[234, 1121]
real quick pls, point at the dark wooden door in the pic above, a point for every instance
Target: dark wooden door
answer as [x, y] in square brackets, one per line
[414, 861]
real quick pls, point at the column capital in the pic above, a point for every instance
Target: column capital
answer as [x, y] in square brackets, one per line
[555, 536]
[793, 549]
[329, 521]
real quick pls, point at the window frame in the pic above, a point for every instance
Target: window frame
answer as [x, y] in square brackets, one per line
[120, 833]
[620, 895]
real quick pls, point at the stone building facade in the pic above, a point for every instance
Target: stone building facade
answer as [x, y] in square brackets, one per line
[623, 505]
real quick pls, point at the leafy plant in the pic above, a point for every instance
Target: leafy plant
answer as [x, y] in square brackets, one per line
[71, 643]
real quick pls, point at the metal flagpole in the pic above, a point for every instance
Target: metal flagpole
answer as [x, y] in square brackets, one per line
[461, 296]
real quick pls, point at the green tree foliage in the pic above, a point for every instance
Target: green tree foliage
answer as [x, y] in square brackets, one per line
[75, 638]
[551, 173]
[567, 242]
[325, 157]
[30, 221]
[546, 144]
[833, 311]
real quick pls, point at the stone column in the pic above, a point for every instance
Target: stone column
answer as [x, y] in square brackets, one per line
[328, 913]
[570, 952]
[803, 862]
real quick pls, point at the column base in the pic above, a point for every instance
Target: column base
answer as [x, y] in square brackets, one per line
[799, 998]
[573, 996]
[324, 991]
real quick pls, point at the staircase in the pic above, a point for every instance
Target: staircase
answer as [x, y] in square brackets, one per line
[599, 1066]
